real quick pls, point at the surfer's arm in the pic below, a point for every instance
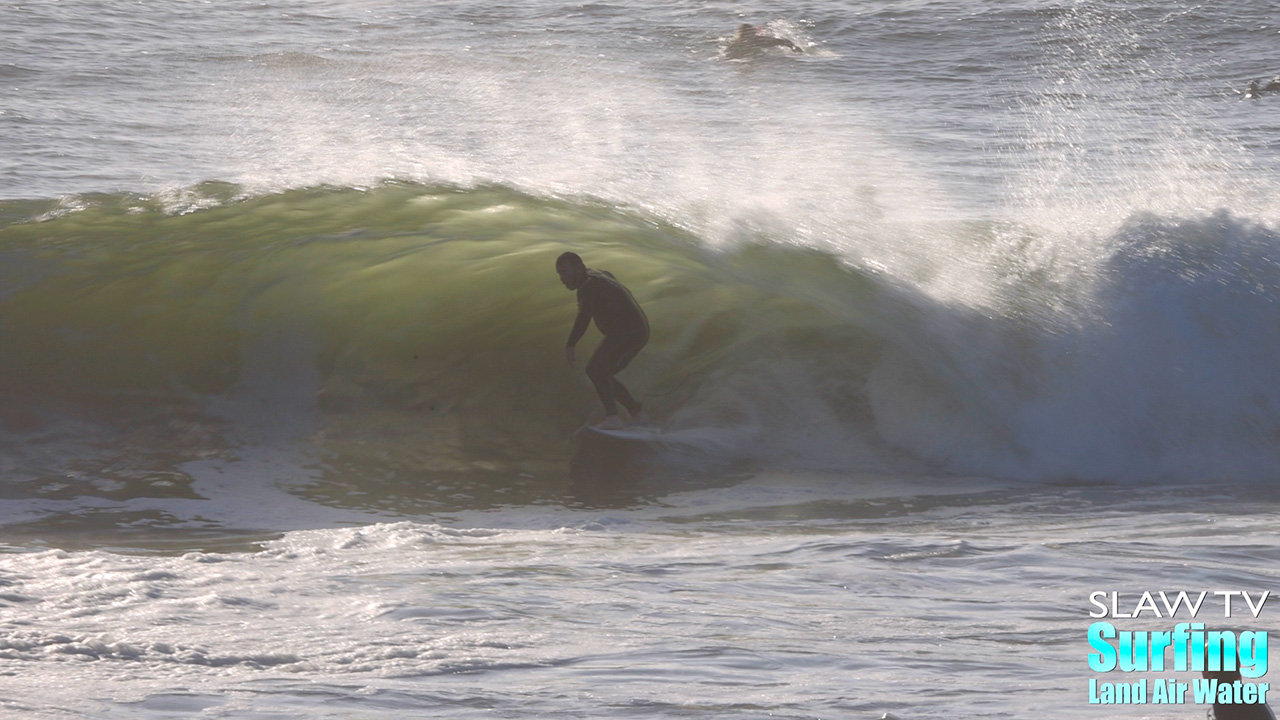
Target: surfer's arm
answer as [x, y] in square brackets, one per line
[579, 325]
[579, 329]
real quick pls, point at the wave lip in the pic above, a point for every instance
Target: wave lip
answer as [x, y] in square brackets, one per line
[1157, 366]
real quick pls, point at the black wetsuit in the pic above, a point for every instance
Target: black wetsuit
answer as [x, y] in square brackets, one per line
[625, 328]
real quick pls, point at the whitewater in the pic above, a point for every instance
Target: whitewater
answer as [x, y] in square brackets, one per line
[959, 316]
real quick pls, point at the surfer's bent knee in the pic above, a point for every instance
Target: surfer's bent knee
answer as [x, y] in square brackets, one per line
[614, 354]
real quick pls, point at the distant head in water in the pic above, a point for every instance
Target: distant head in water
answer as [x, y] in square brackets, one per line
[749, 40]
[746, 31]
[1274, 85]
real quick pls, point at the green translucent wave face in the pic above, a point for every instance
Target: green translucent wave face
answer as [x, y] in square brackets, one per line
[404, 331]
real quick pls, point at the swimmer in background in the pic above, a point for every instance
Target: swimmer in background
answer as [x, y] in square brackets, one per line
[749, 41]
[1254, 90]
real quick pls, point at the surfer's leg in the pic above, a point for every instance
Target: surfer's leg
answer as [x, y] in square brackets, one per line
[600, 368]
[604, 389]
[614, 354]
[624, 398]
[628, 350]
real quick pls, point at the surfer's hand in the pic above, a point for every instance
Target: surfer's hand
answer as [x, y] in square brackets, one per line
[570, 355]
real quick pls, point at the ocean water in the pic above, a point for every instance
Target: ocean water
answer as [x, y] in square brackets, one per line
[967, 312]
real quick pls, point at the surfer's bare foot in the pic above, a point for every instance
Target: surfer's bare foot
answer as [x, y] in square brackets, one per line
[641, 418]
[613, 422]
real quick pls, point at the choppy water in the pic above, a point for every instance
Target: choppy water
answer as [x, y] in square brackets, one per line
[964, 313]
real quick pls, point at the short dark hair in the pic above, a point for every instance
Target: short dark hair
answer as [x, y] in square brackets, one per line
[569, 258]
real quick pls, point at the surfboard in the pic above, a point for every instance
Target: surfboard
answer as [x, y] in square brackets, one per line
[644, 434]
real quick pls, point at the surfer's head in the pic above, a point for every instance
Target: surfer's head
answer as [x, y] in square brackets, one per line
[571, 269]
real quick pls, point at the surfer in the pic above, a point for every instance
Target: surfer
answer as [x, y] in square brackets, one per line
[750, 40]
[625, 328]
[1255, 88]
